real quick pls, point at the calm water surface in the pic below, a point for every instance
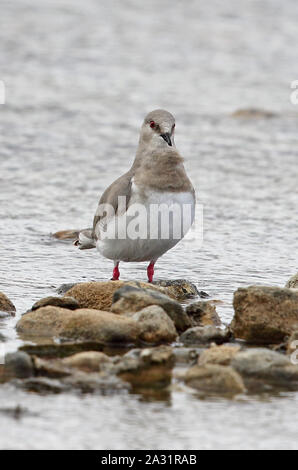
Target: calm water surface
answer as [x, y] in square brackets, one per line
[79, 77]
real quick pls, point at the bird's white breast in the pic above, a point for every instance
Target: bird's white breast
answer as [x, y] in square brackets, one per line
[154, 222]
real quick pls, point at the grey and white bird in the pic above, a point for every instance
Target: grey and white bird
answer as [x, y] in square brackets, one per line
[149, 209]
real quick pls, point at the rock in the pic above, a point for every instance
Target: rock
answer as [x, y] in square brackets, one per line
[221, 355]
[65, 287]
[253, 113]
[63, 302]
[156, 326]
[80, 324]
[292, 282]
[6, 305]
[50, 368]
[42, 385]
[186, 355]
[89, 361]
[179, 289]
[151, 367]
[18, 364]
[129, 299]
[203, 313]
[292, 343]
[264, 315]
[214, 379]
[61, 349]
[66, 234]
[99, 295]
[262, 363]
[205, 334]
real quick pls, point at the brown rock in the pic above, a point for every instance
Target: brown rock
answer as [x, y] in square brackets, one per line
[99, 295]
[203, 313]
[6, 305]
[129, 299]
[81, 324]
[214, 379]
[63, 302]
[205, 334]
[88, 361]
[264, 315]
[221, 355]
[156, 326]
[253, 113]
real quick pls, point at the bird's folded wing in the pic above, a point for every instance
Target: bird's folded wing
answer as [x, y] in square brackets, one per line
[119, 188]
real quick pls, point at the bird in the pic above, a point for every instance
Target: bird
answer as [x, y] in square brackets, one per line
[149, 209]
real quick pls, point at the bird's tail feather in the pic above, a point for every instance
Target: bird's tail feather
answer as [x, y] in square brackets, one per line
[85, 240]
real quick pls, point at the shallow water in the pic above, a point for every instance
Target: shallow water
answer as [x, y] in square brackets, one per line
[79, 78]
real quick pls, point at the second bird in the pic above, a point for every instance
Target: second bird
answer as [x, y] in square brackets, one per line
[149, 209]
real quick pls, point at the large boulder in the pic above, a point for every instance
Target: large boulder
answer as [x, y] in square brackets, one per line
[214, 379]
[205, 334]
[265, 315]
[99, 295]
[156, 326]
[80, 324]
[130, 299]
[6, 305]
[203, 313]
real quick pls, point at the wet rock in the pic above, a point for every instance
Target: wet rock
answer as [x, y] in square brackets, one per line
[179, 289]
[253, 113]
[265, 364]
[205, 334]
[65, 287]
[130, 299]
[156, 326]
[216, 379]
[99, 295]
[292, 282]
[186, 355]
[221, 355]
[94, 382]
[66, 234]
[80, 324]
[63, 302]
[50, 368]
[203, 313]
[292, 344]
[88, 361]
[6, 305]
[42, 385]
[151, 367]
[264, 315]
[61, 349]
[18, 364]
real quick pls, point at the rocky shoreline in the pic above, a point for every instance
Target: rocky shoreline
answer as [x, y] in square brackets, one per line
[145, 338]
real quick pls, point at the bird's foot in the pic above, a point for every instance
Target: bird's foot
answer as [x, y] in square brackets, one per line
[150, 271]
[116, 273]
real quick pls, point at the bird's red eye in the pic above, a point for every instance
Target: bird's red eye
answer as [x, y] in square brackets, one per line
[152, 124]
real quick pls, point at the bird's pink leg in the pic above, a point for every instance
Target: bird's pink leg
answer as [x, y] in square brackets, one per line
[116, 272]
[150, 271]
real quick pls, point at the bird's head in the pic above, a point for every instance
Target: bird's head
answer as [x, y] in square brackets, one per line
[158, 129]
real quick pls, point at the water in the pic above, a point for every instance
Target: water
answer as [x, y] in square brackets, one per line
[79, 79]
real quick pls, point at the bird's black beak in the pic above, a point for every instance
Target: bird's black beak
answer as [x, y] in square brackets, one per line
[167, 138]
